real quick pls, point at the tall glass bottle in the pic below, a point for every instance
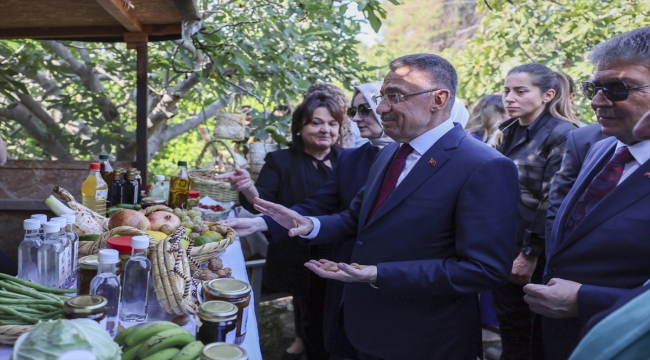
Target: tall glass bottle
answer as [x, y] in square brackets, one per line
[94, 191]
[131, 188]
[158, 188]
[179, 187]
[137, 275]
[67, 278]
[106, 170]
[43, 219]
[117, 188]
[74, 240]
[51, 257]
[107, 284]
[28, 250]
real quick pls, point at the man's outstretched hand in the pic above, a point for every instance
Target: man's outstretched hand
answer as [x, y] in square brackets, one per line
[296, 223]
[347, 273]
[246, 226]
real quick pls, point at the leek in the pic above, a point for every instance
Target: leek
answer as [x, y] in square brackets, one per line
[57, 206]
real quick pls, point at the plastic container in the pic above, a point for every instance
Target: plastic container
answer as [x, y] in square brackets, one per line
[28, 250]
[94, 191]
[107, 284]
[123, 245]
[135, 287]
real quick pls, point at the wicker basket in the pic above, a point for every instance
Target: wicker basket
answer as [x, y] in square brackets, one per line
[206, 252]
[10, 333]
[217, 190]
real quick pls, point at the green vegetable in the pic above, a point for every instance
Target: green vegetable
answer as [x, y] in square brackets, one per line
[57, 206]
[35, 286]
[50, 339]
[89, 237]
[129, 206]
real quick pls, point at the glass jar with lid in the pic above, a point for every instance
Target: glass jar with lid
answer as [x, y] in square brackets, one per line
[217, 320]
[91, 307]
[87, 271]
[223, 351]
[152, 201]
[236, 292]
[193, 199]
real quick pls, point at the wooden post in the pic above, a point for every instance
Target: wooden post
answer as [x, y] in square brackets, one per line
[139, 42]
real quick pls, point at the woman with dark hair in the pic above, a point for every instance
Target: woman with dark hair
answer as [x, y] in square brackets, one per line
[539, 104]
[288, 177]
[485, 115]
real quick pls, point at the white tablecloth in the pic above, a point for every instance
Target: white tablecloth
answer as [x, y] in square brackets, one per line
[232, 258]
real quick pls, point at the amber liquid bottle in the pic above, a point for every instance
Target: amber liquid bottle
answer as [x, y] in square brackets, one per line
[179, 187]
[108, 175]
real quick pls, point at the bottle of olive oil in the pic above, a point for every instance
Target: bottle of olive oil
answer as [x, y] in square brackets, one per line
[179, 187]
[94, 191]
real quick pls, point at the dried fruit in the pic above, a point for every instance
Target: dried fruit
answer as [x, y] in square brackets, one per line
[208, 276]
[329, 267]
[356, 266]
[181, 320]
[227, 270]
[215, 264]
[221, 273]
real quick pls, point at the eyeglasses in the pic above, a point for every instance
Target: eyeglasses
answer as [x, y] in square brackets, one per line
[363, 110]
[613, 90]
[396, 98]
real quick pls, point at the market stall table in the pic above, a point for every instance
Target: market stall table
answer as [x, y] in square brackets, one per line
[232, 258]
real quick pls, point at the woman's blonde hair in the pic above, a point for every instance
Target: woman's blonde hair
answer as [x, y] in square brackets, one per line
[545, 79]
[485, 115]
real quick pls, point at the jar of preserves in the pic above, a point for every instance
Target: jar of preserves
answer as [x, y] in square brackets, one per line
[236, 292]
[91, 307]
[151, 201]
[123, 246]
[193, 199]
[223, 351]
[217, 320]
[87, 271]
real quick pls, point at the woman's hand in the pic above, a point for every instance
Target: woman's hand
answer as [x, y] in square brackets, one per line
[239, 179]
[246, 226]
[522, 269]
[296, 223]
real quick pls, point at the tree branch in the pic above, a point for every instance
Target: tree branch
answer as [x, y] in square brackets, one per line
[166, 107]
[36, 109]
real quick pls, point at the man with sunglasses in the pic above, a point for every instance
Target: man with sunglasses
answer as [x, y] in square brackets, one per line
[599, 249]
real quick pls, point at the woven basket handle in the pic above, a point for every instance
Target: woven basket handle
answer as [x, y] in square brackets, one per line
[205, 148]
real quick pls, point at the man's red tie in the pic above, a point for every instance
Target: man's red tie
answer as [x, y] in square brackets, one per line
[395, 170]
[600, 186]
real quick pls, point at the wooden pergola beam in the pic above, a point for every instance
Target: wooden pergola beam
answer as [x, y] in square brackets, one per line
[80, 32]
[120, 13]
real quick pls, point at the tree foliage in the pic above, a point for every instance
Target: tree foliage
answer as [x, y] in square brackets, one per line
[72, 100]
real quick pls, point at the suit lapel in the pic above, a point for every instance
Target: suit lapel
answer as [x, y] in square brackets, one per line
[375, 178]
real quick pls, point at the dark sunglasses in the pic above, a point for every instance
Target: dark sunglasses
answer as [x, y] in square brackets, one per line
[613, 90]
[363, 109]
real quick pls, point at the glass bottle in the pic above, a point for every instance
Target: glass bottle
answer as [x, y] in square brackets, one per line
[43, 219]
[74, 240]
[106, 170]
[137, 275]
[158, 188]
[28, 251]
[94, 191]
[117, 188]
[51, 257]
[66, 274]
[107, 284]
[131, 189]
[179, 187]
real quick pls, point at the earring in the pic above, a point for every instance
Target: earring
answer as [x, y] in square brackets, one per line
[298, 134]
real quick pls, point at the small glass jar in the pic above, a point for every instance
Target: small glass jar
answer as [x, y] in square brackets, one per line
[223, 351]
[152, 201]
[87, 271]
[236, 292]
[193, 199]
[217, 320]
[123, 245]
[91, 307]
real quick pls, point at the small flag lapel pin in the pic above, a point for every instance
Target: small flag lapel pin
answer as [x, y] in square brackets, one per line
[433, 163]
[647, 174]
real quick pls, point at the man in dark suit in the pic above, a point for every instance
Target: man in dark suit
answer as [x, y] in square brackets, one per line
[578, 143]
[598, 248]
[435, 224]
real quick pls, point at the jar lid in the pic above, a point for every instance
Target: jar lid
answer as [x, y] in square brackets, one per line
[217, 311]
[223, 351]
[193, 194]
[139, 242]
[103, 156]
[228, 288]
[94, 166]
[31, 224]
[108, 256]
[160, 177]
[150, 200]
[182, 163]
[90, 262]
[85, 303]
[120, 243]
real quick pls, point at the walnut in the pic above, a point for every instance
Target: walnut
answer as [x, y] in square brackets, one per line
[215, 264]
[208, 276]
[221, 273]
[356, 266]
[181, 320]
[227, 270]
[329, 267]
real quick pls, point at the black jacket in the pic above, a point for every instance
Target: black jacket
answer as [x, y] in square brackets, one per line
[538, 157]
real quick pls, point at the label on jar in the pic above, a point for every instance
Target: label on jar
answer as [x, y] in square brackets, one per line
[101, 194]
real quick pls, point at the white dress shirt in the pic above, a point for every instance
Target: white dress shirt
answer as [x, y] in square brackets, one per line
[420, 145]
[641, 153]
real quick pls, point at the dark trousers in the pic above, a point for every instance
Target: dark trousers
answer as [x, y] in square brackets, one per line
[516, 320]
[364, 356]
[7, 264]
[308, 315]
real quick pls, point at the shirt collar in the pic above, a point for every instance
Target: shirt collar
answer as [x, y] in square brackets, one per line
[423, 142]
[640, 150]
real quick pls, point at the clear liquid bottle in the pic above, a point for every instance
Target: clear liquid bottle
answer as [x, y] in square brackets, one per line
[43, 219]
[74, 240]
[106, 170]
[117, 188]
[94, 191]
[137, 275]
[179, 187]
[107, 284]
[28, 251]
[67, 278]
[51, 257]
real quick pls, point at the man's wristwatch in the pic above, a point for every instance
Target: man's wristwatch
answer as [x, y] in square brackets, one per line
[529, 251]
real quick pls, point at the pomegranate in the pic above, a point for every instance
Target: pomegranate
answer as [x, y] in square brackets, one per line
[164, 221]
[132, 218]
